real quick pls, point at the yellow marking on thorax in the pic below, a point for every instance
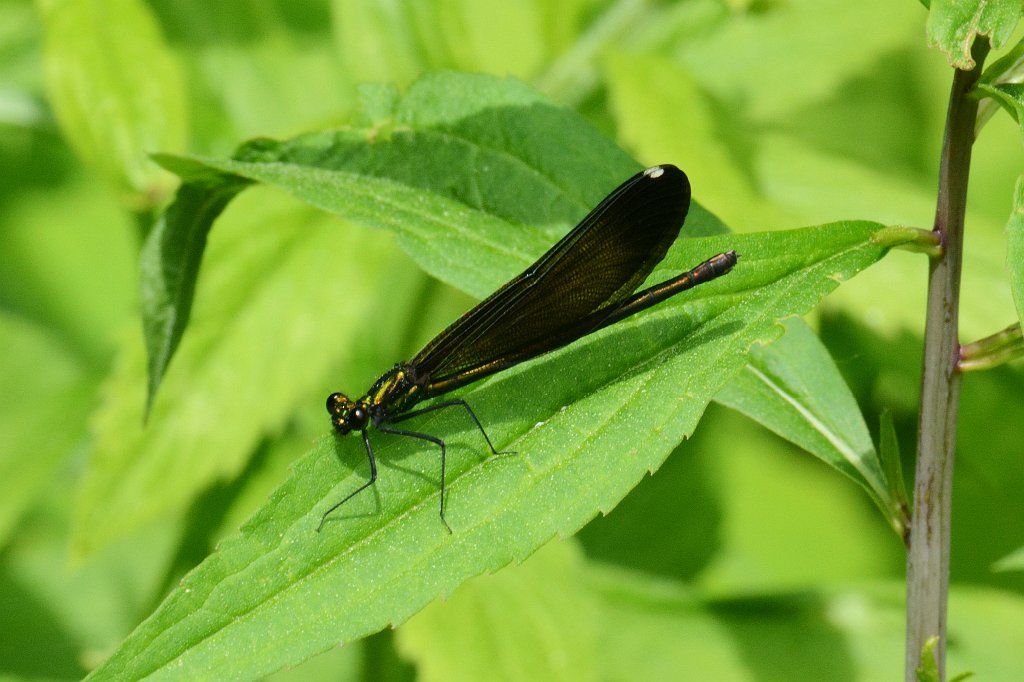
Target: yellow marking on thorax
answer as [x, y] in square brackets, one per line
[387, 387]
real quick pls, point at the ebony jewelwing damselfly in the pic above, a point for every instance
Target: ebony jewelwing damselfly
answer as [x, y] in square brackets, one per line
[585, 282]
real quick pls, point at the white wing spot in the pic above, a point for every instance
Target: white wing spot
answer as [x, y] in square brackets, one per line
[654, 172]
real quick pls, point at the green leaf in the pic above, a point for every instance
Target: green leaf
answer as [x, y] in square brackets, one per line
[954, 24]
[653, 98]
[892, 465]
[751, 60]
[46, 387]
[797, 183]
[794, 388]
[1014, 561]
[855, 633]
[116, 89]
[169, 268]
[776, 502]
[1006, 69]
[648, 380]
[543, 183]
[51, 240]
[679, 510]
[928, 669]
[1015, 248]
[396, 41]
[1010, 96]
[255, 69]
[281, 281]
[63, 617]
[379, 41]
[535, 621]
[472, 152]
[961, 677]
[816, 187]
[988, 482]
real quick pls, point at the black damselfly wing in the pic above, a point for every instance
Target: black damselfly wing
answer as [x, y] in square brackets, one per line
[595, 267]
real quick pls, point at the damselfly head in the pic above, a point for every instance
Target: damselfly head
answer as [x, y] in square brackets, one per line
[346, 414]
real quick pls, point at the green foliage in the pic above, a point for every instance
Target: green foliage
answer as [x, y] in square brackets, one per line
[1009, 95]
[466, 638]
[576, 456]
[928, 671]
[1015, 249]
[162, 413]
[1012, 562]
[954, 24]
[116, 90]
[889, 453]
[54, 389]
[811, 407]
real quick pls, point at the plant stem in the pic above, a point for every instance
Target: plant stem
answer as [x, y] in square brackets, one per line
[928, 554]
[993, 350]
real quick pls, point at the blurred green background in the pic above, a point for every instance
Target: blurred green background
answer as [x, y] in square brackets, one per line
[783, 113]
